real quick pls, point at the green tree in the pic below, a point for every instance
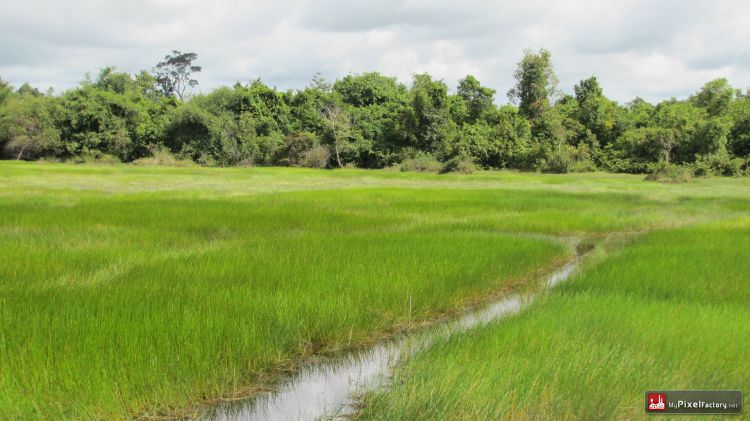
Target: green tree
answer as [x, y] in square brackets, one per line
[296, 146]
[473, 142]
[117, 114]
[426, 120]
[174, 75]
[306, 106]
[511, 140]
[683, 120]
[479, 100]
[320, 83]
[369, 89]
[5, 91]
[28, 90]
[536, 83]
[638, 149]
[637, 114]
[268, 107]
[550, 142]
[595, 112]
[739, 134]
[375, 103]
[338, 124]
[711, 136]
[714, 97]
[28, 126]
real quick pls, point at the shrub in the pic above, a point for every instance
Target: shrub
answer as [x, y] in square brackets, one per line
[296, 145]
[556, 160]
[582, 166]
[702, 168]
[317, 157]
[734, 167]
[94, 157]
[245, 163]
[718, 164]
[458, 164]
[730, 167]
[670, 173]
[206, 160]
[421, 163]
[163, 157]
[583, 159]
[268, 149]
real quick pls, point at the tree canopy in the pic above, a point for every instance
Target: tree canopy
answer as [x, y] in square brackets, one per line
[371, 120]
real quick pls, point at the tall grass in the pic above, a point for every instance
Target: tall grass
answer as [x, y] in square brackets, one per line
[128, 291]
[667, 312]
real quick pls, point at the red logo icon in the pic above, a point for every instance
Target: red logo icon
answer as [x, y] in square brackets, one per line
[657, 402]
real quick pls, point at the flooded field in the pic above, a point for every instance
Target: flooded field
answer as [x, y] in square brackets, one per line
[147, 292]
[328, 389]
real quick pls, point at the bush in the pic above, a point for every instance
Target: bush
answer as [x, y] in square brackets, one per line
[268, 149]
[671, 173]
[734, 167]
[421, 163]
[296, 145]
[719, 164]
[702, 168]
[460, 165]
[317, 157]
[94, 157]
[558, 160]
[583, 159]
[582, 166]
[163, 157]
[206, 160]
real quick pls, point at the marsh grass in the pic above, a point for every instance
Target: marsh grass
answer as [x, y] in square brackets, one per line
[667, 173]
[129, 291]
[668, 311]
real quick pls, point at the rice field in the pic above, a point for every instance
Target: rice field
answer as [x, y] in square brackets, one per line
[137, 292]
[668, 311]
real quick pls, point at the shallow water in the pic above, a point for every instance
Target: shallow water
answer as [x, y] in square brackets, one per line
[325, 389]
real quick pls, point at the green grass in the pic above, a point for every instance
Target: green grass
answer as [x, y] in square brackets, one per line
[127, 291]
[669, 311]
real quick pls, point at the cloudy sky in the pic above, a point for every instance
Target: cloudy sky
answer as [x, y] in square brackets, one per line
[655, 49]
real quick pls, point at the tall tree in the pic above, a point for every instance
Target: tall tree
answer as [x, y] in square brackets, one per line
[174, 74]
[638, 113]
[478, 99]
[536, 83]
[368, 89]
[338, 125]
[683, 120]
[29, 126]
[5, 91]
[427, 118]
[595, 112]
[375, 102]
[319, 82]
[714, 97]
[739, 136]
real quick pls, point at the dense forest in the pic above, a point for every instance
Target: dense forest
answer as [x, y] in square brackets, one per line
[373, 121]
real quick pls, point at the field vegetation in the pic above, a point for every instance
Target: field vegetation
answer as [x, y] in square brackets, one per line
[668, 310]
[136, 291]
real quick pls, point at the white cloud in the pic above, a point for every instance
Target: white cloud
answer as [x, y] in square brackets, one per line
[654, 49]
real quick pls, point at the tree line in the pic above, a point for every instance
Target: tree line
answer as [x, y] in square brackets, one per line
[370, 120]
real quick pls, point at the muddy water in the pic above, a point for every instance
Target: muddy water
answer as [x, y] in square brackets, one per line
[324, 390]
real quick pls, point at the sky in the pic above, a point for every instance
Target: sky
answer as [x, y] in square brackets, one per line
[655, 49]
